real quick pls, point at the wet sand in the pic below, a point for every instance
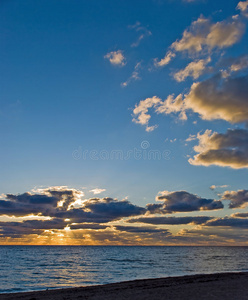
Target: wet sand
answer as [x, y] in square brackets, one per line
[193, 287]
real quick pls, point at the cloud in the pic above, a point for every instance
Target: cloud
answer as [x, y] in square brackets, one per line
[164, 61]
[171, 220]
[215, 235]
[92, 226]
[220, 98]
[140, 111]
[97, 191]
[182, 201]
[230, 65]
[191, 137]
[204, 34]
[194, 69]
[240, 215]
[227, 221]
[39, 227]
[116, 58]
[134, 76]
[239, 63]
[142, 229]
[213, 187]
[64, 203]
[39, 203]
[143, 33]
[243, 7]
[172, 105]
[112, 208]
[239, 199]
[169, 105]
[17, 229]
[227, 150]
[71, 219]
[98, 210]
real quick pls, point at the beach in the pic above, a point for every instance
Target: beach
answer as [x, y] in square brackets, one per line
[207, 286]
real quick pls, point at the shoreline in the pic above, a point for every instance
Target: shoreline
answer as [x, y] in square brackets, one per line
[229, 285]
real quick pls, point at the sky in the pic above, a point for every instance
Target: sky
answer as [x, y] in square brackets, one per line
[124, 122]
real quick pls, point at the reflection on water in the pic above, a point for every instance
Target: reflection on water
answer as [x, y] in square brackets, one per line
[40, 267]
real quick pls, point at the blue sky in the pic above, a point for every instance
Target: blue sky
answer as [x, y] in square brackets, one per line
[61, 96]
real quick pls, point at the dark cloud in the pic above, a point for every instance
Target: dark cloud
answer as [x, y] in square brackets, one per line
[231, 222]
[240, 215]
[18, 209]
[228, 149]
[44, 202]
[114, 208]
[79, 215]
[238, 198]
[30, 227]
[17, 229]
[183, 201]
[171, 220]
[68, 209]
[87, 226]
[28, 198]
[98, 210]
[214, 235]
[61, 203]
[65, 207]
[142, 229]
[154, 208]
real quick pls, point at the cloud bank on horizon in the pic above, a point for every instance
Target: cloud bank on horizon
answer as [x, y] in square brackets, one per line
[47, 215]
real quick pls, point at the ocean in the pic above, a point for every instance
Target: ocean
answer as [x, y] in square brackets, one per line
[30, 268]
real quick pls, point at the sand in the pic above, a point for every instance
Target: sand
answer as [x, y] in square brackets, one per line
[213, 286]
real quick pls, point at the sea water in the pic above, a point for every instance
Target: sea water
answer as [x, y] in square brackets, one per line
[30, 268]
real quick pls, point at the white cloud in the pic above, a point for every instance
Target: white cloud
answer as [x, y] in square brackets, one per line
[144, 32]
[243, 7]
[194, 69]
[239, 64]
[204, 34]
[97, 191]
[140, 111]
[169, 105]
[134, 76]
[191, 137]
[172, 105]
[213, 187]
[116, 58]
[215, 98]
[164, 61]
[224, 34]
